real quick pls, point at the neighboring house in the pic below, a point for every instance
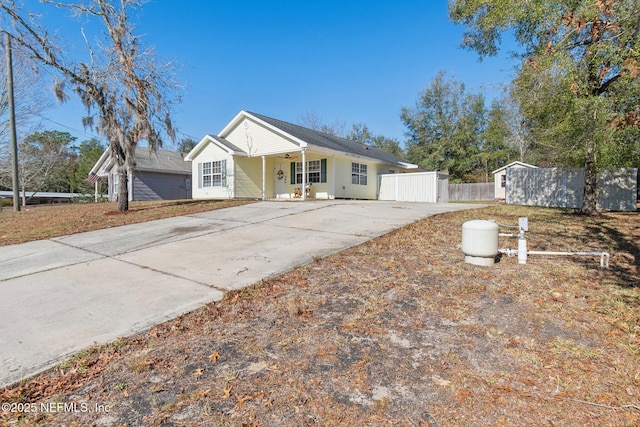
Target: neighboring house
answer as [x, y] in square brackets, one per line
[255, 156]
[157, 175]
[500, 177]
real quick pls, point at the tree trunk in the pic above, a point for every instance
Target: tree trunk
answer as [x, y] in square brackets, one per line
[123, 188]
[590, 199]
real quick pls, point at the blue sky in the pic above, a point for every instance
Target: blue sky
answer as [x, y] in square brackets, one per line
[344, 61]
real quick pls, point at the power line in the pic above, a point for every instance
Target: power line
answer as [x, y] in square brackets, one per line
[66, 127]
[93, 136]
[188, 136]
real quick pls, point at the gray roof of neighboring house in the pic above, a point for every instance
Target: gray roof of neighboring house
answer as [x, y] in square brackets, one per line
[161, 161]
[332, 142]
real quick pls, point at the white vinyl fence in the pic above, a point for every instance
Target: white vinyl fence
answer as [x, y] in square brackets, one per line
[430, 187]
[564, 188]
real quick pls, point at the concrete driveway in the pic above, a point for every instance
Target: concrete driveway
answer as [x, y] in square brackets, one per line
[62, 295]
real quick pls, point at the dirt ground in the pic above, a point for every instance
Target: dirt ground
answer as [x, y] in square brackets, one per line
[397, 331]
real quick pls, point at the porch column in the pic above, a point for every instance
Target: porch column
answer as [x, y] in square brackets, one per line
[333, 176]
[264, 177]
[130, 184]
[304, 174]
[95, 193]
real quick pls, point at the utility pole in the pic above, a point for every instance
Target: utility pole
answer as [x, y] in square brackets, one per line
[12, 127]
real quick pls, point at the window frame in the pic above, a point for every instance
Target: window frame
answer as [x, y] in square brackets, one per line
[359, 173]
[212, 174]
[313, 171]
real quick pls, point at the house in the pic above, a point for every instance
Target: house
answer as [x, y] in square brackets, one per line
[157, 175]
[500, 177]
[255, 156]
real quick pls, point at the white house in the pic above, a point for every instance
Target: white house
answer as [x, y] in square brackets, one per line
[255, 156]
[500, 177]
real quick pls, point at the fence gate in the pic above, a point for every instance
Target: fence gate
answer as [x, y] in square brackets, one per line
[414, 187]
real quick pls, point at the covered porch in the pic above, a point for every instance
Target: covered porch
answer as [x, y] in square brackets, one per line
[293, 175]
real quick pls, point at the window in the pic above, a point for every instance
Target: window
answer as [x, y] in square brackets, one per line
[316, 172]
[503, 181]
[358, 174]
[116, 184]
[212, 174]
[299, 173]
[206, 174]
[216, 174]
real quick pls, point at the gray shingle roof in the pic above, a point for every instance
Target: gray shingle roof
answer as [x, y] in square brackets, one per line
[227, 144]
[161, 160]
[331, 142]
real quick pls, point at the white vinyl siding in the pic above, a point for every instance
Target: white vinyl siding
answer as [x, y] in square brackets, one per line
[213, 159]
[257, 140]
[344, 188]
[249, 177]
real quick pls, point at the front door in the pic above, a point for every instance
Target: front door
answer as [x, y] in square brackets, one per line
[280, 186]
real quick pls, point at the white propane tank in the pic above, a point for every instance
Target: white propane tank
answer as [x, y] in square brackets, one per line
[480, 242]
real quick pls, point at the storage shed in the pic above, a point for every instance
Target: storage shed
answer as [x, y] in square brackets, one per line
[500, 177]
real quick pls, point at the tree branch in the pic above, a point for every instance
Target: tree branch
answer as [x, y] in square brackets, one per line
[47, 56]
[605, 86]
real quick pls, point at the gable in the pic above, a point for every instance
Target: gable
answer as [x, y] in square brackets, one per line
[516, 164]
[216, 143]
[257, 138]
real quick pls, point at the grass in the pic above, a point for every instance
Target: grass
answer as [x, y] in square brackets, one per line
[43, 222]
[396, 331]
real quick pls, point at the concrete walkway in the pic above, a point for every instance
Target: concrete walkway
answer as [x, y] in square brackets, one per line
[62, 295]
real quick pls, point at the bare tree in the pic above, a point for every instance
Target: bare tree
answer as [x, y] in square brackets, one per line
[313, 121]
[128, 95]
[42, 155]
[29, 93]
[519, 134]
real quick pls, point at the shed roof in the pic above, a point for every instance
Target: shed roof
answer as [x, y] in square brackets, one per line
[516, 164]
